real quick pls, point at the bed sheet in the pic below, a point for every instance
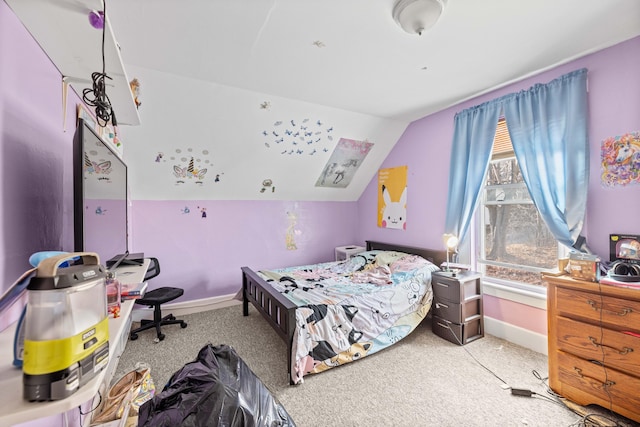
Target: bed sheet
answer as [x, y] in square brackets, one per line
[350, 309]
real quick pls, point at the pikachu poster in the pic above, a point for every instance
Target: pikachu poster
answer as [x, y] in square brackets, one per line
[392, 198]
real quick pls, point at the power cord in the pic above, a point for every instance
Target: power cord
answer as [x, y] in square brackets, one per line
[514, 391]
[604, 366]
[90, 410]
[587, 420]
[96, 96]
[473, 357]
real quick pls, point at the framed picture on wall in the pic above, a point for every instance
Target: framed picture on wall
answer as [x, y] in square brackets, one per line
[345, 160]
[621, 160]
[392, 198]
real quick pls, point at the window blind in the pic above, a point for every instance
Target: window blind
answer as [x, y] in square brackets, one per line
[502, 147]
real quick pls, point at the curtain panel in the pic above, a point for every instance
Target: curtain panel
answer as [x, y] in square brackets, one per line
[473, 135]
[548, 128]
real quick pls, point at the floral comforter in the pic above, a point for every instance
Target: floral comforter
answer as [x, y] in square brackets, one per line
[351, 309]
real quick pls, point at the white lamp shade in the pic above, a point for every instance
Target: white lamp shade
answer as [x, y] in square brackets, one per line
[417, 16]
[450, 241]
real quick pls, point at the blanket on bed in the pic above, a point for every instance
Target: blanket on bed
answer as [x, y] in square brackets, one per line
[354, 308]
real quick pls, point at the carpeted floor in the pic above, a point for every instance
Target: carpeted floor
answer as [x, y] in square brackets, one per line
[421, 381]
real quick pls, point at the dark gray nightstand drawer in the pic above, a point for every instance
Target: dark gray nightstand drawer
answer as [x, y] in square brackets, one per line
[458, 333]
[457, 312]
[462, 286]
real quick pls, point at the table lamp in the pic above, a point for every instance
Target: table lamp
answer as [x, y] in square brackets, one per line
[451, 243]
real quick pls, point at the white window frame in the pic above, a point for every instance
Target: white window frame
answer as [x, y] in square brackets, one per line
[503, 288]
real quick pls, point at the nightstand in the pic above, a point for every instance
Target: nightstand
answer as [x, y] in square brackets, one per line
[346, 252]
[457, 306]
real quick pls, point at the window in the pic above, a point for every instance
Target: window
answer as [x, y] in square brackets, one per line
[515, 243]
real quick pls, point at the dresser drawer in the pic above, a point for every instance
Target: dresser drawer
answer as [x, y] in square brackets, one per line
[599, 385]
[457, 312]
[616, 349]
[613, 312]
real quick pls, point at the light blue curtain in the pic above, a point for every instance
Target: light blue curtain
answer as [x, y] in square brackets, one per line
[548, 129]
[473, 136]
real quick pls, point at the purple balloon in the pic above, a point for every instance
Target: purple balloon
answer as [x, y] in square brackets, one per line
[96, 19]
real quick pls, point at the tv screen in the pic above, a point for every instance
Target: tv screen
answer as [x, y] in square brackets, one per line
[100, 196]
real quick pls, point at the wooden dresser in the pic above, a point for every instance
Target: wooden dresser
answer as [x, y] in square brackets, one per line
[594, 344]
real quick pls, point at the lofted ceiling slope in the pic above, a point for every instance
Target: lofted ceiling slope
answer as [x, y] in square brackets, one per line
[365, 62]
[227, 72]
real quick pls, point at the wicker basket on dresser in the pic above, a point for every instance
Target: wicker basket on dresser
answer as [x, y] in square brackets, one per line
[594, 344]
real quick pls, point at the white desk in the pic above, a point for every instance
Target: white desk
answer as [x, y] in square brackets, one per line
[17, 410]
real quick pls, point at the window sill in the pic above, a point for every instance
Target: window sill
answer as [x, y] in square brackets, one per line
[534, 298]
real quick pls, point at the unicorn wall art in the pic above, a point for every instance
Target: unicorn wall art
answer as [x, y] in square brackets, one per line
[621, 160]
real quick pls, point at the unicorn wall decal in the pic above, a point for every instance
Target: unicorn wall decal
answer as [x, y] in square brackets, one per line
[189, 172]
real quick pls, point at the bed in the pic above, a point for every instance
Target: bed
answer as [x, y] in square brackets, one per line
[333, 313]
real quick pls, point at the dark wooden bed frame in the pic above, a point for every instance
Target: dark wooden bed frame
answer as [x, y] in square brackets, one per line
[279, 311]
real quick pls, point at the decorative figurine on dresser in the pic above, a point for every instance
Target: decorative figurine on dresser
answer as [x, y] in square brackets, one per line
[457, 306]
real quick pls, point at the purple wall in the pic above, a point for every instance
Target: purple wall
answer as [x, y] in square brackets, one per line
[204, 255]
[424, 148]
[36, 196]
[614, 104]
[35, 153]
[614, 109]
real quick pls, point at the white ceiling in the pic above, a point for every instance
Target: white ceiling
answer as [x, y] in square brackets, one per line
[367, 63]
[226, 85]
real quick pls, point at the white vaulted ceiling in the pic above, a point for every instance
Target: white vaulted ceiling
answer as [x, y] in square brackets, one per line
[221, 78]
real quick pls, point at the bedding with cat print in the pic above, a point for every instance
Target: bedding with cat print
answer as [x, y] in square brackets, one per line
[351, 309]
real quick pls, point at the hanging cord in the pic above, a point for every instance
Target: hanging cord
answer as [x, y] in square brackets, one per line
[96, 96]
[91, 410]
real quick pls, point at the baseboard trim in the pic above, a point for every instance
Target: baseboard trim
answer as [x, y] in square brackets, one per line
[517, 335]
[188, 307]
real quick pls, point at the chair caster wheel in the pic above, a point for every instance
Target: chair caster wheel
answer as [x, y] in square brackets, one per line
[158, 338]
[183, 325]
[133, 337]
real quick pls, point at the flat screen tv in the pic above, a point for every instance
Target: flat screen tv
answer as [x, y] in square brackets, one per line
[100, 196]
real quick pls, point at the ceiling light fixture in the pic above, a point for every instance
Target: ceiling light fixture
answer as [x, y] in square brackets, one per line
[417, 16]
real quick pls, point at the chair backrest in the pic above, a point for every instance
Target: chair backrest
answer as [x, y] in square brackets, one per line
[153, 270]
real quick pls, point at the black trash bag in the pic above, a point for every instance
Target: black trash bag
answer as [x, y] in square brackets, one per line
[216, 389]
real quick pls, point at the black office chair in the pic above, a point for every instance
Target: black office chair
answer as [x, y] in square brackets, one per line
[155, 299]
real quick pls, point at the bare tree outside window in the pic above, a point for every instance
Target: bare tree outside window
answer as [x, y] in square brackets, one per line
[516, 243]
